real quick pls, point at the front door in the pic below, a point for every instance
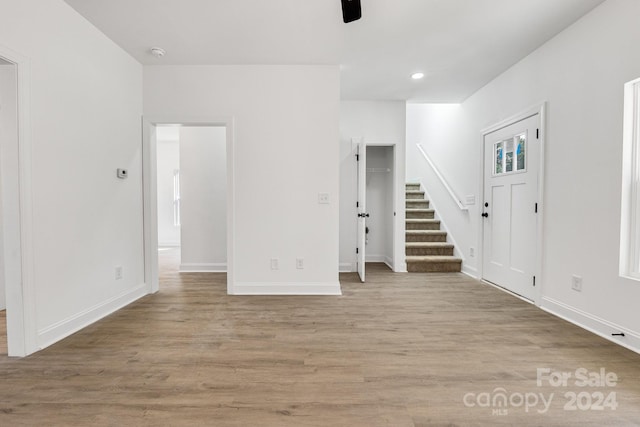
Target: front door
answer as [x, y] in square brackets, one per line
[511, 164]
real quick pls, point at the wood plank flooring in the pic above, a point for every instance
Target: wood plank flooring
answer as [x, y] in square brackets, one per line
[400, 350]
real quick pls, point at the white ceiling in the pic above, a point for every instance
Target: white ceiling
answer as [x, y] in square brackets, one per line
[460, 44]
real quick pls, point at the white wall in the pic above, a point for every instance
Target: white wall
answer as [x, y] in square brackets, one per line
[383, 121]
[580, 73]
[8, 132]
[85, 107]
[380, 204]
[286, 152]
[168, 157]
[203, 182]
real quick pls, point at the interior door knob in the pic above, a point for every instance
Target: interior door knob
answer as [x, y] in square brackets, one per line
[486, 215]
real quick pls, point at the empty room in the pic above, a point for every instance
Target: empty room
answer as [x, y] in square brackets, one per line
[319, 213]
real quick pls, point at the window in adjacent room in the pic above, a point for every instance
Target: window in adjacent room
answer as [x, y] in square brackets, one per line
[176, 198]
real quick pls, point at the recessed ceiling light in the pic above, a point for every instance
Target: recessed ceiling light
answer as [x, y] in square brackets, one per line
[417, 76]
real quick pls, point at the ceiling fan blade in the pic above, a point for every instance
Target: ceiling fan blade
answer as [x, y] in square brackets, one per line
[351, 10]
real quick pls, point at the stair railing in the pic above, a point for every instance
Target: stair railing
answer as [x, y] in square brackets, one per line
[443, 181]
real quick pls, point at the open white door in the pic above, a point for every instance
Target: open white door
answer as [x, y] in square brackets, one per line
[362, 206]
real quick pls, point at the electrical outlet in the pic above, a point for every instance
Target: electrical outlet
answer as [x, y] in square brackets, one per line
[323, 198]
[274, 264]
[118, 273]
[576, 283]
[300, 263]
[472, 252]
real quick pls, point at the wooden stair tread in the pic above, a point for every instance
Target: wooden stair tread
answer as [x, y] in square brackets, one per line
[416, 210]
[436, 232]
[423, 221]
[429, 245]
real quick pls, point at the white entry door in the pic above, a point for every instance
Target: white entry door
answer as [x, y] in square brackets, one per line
[362, 207]
[511, 164]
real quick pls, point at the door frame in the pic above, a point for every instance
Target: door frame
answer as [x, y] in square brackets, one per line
[399, 263]
[150, 192]
[17, 209]
[540, 110]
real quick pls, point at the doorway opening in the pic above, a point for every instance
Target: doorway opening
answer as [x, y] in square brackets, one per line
[188, 181]
[191, 198]
[8, 136]
[377, 208]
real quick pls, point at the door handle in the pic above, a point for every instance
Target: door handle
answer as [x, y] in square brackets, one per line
[486, 215]
[363, 215]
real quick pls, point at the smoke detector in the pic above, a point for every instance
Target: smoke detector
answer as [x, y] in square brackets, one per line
[158, 52]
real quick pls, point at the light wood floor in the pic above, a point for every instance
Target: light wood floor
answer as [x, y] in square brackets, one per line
[400, 350]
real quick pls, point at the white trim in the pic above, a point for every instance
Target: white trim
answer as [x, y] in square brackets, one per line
[70, 325]
[506, 291]
[375, 258]
[402, 268]
[540, 111]
[443, 181]
[193, 267]
[470, 271]
[522, 115]
[389, 262]
[591, 323]
[259, 288]
[381, 259]
[150, 191]
[347, 267]
[17, 193]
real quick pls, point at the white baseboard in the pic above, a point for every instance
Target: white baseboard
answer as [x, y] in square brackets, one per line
[259, 288]
[470, 271]
[203, 267]
[348, 267]
[375, 258]
[591, 323]
[402, 268]
[73, 324]
[389, 262]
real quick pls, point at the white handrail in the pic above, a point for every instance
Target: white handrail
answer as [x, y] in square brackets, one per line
[455, 198]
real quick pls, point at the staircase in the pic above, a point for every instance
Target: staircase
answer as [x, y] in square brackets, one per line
[427, 249]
